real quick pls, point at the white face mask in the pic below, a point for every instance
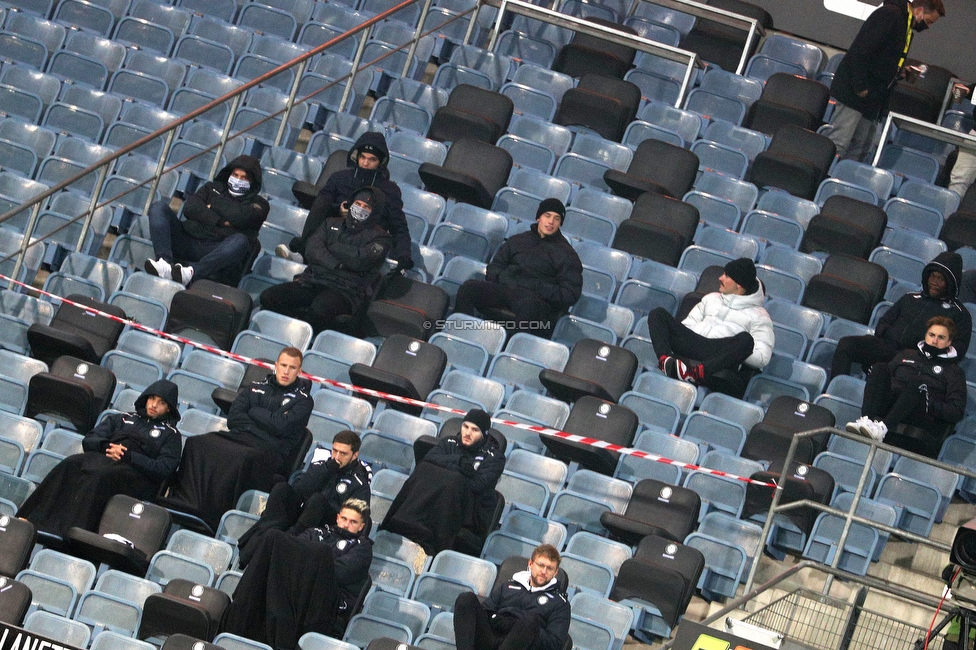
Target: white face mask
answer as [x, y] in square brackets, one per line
[359, 213]
[238, 186]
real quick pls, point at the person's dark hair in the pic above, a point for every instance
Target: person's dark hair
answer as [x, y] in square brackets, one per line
[350, 438]
[547, 551]
[357, 505]
[930, 5]
[293, 352]
[945, 322]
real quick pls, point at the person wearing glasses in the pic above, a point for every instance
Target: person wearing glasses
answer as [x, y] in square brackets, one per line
[529, 612]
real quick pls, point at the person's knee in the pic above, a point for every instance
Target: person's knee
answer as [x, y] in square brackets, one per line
[238, 244]
[466, 601]
[659, 314]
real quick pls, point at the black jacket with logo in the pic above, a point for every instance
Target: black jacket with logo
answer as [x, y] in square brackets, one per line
[516, 598]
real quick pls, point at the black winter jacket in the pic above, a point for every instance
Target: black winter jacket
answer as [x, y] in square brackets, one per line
[545, 266]
[274, 414]
[516, 598]
[946, 382]
[211, 206]
[153, 445]
[903, 325]
[871, 62]
[337, 483]
[347, 256]
[481, 465]
[352, 554]
[343, 184]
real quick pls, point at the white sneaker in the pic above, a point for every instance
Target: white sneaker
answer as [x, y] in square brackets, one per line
[183, 274]
[160, 268]
[876, 429]
[282, 250]
[855, 426]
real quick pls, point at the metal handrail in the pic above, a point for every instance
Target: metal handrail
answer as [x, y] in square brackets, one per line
[234, 96]
[849, 516]
[580, 25]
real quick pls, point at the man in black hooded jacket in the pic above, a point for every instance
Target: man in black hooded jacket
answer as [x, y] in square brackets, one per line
[222, 222]
[343, 256]
[904, 324]
[535, 274]
[127, 453]
[367, 161]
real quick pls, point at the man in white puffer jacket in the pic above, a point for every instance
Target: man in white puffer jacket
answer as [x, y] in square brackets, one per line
[726, 329]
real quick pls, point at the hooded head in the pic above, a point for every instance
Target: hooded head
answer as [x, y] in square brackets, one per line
[365, 207]
[949, 266]
[373, 143]
[251, 166]
[168, 392]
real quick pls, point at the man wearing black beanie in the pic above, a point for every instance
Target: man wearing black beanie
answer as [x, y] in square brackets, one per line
[535, 275]
[726, 329]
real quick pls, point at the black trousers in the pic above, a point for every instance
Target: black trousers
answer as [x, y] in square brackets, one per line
[477, 297]
[891, 402]
[671, 338]
[475, 629]
[319, 306]
[865, 350]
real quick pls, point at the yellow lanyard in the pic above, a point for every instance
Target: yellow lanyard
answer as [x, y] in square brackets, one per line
[908, 38]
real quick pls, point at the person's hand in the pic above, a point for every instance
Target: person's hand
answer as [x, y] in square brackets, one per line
[863, 93]
[344, 209]
[332, 465]
[115, 451]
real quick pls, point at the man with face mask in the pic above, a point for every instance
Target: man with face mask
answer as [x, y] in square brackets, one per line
[344, 257]
[222, 222]
[366, 166]
[869, 70]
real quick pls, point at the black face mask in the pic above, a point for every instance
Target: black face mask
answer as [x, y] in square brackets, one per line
[920, 26]
[931, 350]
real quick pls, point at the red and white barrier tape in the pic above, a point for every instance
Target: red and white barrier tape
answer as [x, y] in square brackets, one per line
[545, 431]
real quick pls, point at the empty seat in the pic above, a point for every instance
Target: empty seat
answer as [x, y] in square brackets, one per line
[593, 417]
[472, 172]
[586, 54]
[75, 331]
[144, 525]
[403, 366]
[770, 439]
[594, 368]
[659, 228]
[600, 103]
[183, 607]
[797, 161]
[74, 391]
[655, 508]
[788, 99]
[846, 226]
[472, 113]
[847, 287]
[648, 171]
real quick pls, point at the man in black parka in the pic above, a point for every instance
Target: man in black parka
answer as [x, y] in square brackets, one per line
[296, 585]
[452, 489]
[535, 274]
[222, 222]
[870, 68]
[367, 161]
[127, 453]
[344, 257]
[530, 612]
[266, 427]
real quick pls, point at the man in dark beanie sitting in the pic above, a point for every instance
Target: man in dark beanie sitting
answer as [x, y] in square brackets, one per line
[451, 490]
[535, 275]
[726, 329]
